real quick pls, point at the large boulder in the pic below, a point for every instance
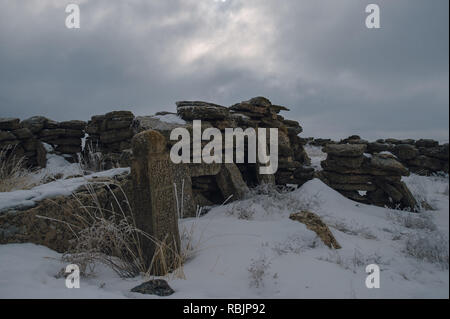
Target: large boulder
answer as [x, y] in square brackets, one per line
[387, 162]
[73, 125]
[426, 143]
[35, 123]
[8, 123]
[379, 147]
[6, 136]
[405, 151]
[197, 110]
[345, 150]
[230, 182]
[425, 162]
[439, 152]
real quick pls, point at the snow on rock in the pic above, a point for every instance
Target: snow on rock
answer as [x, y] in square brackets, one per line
[61, 187]
[387, 153]
[170, 118]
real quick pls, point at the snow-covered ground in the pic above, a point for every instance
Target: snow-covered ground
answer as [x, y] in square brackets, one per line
[251, 249]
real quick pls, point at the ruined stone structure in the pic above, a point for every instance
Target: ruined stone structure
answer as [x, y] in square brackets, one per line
[371, 179]
[25, 138]
[423, 157]
[46, 222]
[257, 112]
[160, 191]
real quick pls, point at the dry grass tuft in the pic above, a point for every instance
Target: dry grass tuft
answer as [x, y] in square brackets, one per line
[13, 171]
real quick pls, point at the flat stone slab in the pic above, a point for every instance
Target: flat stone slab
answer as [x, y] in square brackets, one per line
[345, 150]
[388, 163]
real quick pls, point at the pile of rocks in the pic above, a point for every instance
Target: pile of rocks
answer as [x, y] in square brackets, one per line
[25, 138]
[424, 156]
[65, 137]
[257, 112]
[111, 132]
[110, 135]
[320, 141]
[372, 179]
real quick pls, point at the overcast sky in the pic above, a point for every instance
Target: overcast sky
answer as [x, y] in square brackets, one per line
[317, 57]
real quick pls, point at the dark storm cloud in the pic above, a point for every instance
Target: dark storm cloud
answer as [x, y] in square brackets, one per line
[316, 57]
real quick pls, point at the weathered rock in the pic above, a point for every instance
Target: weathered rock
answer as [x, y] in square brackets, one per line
[7, 136]
[278, 108]
[41, 154]
[427, 143]
[115, 135]
[426, 162]
[348, 162]
[345, 150]
[8, 123]
[68, 149]
[439, 152]
[157, 287]
[143, 123]
[67, 141]
[392, 141]
[119, 115]
[264, 178]
[22, 133]
[353, 187]
[251, 110]
[260, 101]
[73, 125]
[379, 147]
[314, 223]
[46, 223]
[388, 163]
[408, 141]
[389, 189]
[196, 110]
[154, 197]
[203, 169]
[182, 179]
[51, 132]
[348, 179]
[230, 182]
[408, 199]
[35, 123]
[405, 151]
[73, 133]
[118, 124]
[291, 123]
[305, 173]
